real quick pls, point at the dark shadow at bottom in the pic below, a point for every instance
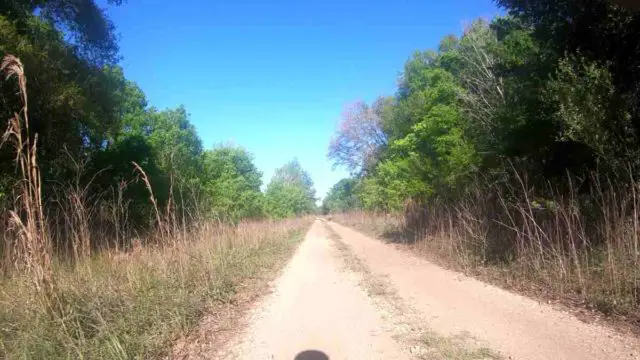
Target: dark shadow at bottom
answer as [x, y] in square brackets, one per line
[311, 355]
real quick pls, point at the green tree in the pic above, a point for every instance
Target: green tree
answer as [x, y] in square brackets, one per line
[579, 42]
[231, 184]
[65, 47]
[290, 192]
[341, 197]
[84, 22]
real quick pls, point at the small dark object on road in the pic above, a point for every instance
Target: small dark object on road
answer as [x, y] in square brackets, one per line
[311, 355]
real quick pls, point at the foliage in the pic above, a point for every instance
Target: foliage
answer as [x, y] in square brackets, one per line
[516, 145]
[92, 124]
[232, 183]
[523, 90]
[84, 22]
[361, 137]
[88, 165]
[341, 197]
[290, 192]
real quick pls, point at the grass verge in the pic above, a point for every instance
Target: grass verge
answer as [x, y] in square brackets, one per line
[408, 327]
[136, 305]
[553, 282]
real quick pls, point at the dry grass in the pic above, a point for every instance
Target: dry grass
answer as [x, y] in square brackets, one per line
[135, 305]
[580, 249]
[28, 245]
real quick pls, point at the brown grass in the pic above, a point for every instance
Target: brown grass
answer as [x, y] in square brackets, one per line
[30, 246]
[578, 248]
[137, 304]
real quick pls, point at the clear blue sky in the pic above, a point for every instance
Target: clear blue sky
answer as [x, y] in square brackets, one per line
[273, 76]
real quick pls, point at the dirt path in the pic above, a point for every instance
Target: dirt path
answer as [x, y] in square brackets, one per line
[354, 297]
[518, 327]
[317, 306]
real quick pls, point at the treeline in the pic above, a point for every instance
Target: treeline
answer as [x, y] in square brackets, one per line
[547, 91]
[92, 127]
[515, 144]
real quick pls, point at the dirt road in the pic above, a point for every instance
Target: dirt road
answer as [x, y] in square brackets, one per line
[318, 304]
[315, 306]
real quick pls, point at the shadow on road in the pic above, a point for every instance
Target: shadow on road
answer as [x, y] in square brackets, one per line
[311, 355]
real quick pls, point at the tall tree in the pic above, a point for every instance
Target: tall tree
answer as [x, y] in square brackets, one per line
[341, 197]
[89, 30]
[598, 30]
[290, 192]
[232, 184]
[360, 137]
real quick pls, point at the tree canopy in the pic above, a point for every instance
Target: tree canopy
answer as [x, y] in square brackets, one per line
[290, 192]
[341, 197]
[548, 90]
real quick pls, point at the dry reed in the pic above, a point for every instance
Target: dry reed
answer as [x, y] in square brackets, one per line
[32, 249]
[575, 246]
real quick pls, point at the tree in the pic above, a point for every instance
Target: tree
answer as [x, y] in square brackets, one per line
[292, 174]
[360, 137]
[85, 24]
[598, 30]
[483, 96]
[341, 197]
[73, 100]
[176, 142]
[290, 192]
[231, 184]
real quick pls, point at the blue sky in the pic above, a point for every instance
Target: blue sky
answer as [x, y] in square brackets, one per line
[274, 76]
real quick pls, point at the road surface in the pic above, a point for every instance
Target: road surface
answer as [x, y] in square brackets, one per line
[322, 309]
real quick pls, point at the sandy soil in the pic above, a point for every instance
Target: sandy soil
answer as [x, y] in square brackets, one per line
[516, 326]
[317, 311]
[321, 309]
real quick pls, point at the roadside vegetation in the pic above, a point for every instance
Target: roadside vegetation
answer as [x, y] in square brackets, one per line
[120, 231]
[511, 149]
[138, 304]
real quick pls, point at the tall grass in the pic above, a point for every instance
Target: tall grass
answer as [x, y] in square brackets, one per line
[28, 245]
[132, 299]
[578, 245]
[136, 304]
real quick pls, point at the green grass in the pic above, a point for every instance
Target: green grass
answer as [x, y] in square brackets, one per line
[137, 305]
